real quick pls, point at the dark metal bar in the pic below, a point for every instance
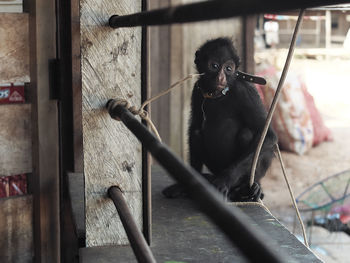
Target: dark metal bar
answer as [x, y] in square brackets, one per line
[252, 243]
[146, 158]
[210, 10]
[138, 243]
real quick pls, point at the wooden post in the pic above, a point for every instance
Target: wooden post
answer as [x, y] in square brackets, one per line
[318, 31]
[42, 32]
[249, 23]
[328, 29]
[111, 68]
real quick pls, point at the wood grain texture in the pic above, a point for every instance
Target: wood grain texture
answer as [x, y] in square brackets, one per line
[16, 229]
[111, 68]
[15, 139]
[45, 132]
[14, 48]
[159, 73]
[184, 41]
[76, 87]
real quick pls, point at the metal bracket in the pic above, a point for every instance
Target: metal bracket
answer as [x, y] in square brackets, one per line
[54, 79]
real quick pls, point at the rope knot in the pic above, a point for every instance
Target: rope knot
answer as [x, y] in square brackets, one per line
[134, 110]
[143, 113]
[116, 102]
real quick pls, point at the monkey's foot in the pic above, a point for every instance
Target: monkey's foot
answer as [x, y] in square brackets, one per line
[174, 191]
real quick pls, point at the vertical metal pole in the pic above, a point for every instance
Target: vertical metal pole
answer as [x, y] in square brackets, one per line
[146, 158]
[45, 135]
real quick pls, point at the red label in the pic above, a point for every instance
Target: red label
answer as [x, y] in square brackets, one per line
[13, 185]
[11, 93]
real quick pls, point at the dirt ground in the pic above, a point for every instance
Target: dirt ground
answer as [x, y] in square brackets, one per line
[327, 79]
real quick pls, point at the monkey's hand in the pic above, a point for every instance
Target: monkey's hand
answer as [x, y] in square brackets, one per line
[250, 194]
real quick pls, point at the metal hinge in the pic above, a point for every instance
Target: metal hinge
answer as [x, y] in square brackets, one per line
[54, 79]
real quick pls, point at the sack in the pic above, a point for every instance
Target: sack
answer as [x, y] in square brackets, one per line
[291, 121]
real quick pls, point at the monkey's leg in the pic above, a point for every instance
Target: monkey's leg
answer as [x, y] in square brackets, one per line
[233, 182]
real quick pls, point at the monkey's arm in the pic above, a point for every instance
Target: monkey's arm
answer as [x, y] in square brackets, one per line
[233, 182]
[195, 134]
[253, 114]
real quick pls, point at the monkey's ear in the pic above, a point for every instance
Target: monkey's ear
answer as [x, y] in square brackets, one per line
[196, 59]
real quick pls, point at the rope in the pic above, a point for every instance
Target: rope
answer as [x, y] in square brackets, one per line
[190, 76]
[276, 97]
[278, 154]
[142, 112]
[268, 121]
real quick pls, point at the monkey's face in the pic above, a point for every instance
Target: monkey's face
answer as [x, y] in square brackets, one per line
[221, 74]
[218, 61]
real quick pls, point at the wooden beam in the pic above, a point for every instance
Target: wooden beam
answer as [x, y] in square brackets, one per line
[111, 67]
[15, 139]
[76, 87]
[42, 32]
[249, 23]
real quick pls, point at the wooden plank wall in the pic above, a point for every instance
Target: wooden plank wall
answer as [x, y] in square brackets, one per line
[14, 48]
[160, 72]
[16, 224]
[111, 68]
[173, 61]
[16, 229]
[15, 139]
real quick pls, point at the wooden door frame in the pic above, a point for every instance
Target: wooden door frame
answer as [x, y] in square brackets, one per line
[45, 136]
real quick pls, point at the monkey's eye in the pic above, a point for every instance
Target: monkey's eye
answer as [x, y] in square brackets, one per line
[214, 66]
[229, 68]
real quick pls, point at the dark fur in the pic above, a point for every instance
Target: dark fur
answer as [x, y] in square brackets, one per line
[226, 141]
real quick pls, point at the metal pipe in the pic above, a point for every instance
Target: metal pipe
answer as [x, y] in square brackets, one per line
[138, 243]
[234, 223]
[210, 10]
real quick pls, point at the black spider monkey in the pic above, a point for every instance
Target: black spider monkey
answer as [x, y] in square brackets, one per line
[227, 120]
